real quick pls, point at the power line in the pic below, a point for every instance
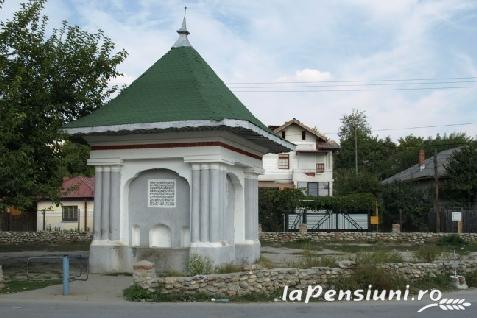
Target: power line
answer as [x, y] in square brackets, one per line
[357, 81]
[415, 127]
[346, 90]
[359, 85]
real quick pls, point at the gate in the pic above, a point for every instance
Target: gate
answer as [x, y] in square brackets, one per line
[327, 220]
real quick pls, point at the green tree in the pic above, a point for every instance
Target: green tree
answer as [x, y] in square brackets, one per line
[348, 182]
[462, 174]
[274, 204]
[414, 204]
[45, 82]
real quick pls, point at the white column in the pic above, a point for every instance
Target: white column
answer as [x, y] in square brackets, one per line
[251, 207]
[214, 220]
[114, 214]
[204, 203]
[195, 208]
[97, 202]
[106, 191]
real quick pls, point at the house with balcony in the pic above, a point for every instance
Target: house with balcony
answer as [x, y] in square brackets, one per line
[309, 167]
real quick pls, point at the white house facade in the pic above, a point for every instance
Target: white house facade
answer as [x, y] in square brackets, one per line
[309, 167]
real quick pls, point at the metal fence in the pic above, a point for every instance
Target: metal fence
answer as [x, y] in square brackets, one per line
[327, 220]
[469, 220]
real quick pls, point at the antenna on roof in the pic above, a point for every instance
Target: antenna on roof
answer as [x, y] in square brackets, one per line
[183, 32]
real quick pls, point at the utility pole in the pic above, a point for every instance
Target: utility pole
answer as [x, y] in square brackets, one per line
[436, 198]
[355, 149]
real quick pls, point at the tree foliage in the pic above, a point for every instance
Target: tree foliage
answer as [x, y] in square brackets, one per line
[414, 204]
[462, 174]
[274, 204]
[46, 80]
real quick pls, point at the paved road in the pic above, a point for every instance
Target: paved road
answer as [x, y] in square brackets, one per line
[77, 309]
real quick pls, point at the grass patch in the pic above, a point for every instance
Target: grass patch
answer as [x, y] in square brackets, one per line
[228, 268]
[138, 294]
[428, 254]
[378, 257]
[310, 259]
[16, 286]
[265, 262]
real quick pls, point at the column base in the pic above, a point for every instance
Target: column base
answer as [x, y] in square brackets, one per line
[247, 251]
[110, 257]
[218, 253]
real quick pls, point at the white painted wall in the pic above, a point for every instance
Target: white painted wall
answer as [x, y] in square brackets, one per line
[301, 162]
[54, 215]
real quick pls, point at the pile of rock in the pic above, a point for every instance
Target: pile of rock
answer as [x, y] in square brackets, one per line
[408, 237]
[16, 238]
[269, 280]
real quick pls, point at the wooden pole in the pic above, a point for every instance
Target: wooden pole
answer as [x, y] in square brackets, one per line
[436, 195]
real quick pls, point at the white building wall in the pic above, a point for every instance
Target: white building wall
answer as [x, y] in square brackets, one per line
[54, 216]
[301, 162]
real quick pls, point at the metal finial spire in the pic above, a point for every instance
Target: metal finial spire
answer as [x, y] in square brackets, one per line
[183, 32]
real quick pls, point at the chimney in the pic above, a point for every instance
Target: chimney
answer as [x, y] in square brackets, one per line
[422, 158]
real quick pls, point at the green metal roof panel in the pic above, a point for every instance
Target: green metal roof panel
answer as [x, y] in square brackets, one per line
[179, 86]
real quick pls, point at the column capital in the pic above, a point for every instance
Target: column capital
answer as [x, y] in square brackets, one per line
[105, 162]
[253, 173]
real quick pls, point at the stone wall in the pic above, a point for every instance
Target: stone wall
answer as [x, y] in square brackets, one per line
[16, 238]
[269, 280]
[410, 237]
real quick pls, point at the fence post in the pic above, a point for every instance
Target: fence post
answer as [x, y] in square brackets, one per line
[66, 275]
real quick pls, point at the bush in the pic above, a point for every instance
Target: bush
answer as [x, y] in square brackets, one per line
[368, 274]
[199, 265]
[349, 203]
[310, 260]
[451, 240]
[137, 293]
[471, 279]
[379, 257]
[228, 268]
[428, 254]
[265, 262]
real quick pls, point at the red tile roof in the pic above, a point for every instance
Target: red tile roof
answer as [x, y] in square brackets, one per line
[78, 187]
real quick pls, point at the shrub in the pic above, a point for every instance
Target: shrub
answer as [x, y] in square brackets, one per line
[368, 274]
[379, 257]
[265, 262]
[199, 265]
[137, 293]
[228, 268]
[312, 260]
[471, 279]
[428, 254]
[451, 240]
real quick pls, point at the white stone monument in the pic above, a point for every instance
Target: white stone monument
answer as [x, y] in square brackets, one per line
[177, 157]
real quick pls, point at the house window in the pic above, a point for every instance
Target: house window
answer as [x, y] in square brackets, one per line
[70, 213]
[318, 189]
[283, 161]
[283, 134]
[303, 135]
[320, 167]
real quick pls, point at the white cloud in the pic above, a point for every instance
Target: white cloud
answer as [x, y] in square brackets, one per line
[306, 75]
[360, 40]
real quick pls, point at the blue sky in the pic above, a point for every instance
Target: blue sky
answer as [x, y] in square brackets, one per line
[335, 45]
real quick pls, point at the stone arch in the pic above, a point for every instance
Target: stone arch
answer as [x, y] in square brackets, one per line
[234, 211]
[160, 236]
[155, 221]
[135, 235]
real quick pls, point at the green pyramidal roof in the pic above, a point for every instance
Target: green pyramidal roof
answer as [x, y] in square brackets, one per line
[180, 86]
